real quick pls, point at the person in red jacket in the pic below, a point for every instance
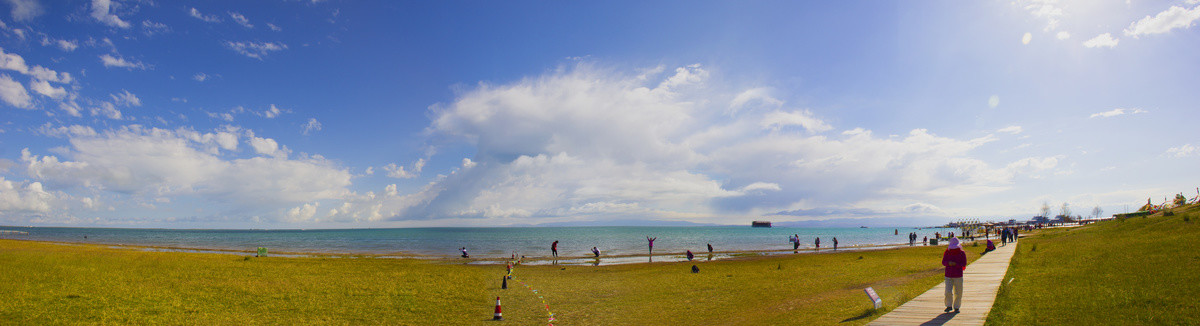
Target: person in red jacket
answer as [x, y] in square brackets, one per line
[955, 261]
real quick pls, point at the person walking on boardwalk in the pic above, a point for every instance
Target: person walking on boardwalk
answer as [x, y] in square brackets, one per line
[651, 241]
[554, 248]
[955, 261]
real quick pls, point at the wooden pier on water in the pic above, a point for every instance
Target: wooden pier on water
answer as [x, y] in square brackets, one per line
[981, 279]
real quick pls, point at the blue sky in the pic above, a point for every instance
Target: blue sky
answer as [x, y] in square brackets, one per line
[346, 114]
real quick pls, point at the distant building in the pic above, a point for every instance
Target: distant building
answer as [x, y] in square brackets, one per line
[761, 224]
[1040, 219]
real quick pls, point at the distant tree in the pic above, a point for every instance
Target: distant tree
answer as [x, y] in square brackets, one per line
[1065, 210]
[1097, 211]
[1045, 209]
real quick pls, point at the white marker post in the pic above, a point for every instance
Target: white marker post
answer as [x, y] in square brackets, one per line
[874, 297]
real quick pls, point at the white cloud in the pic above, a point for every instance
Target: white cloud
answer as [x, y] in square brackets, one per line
[304, 212]
[267, 146]
[1172, 18]
[200, 77]
[240, 19]
[993, 101]
[1011, 130]
[1044, 9]
[1025, 39]
[25, 197]
[125, 98]
[1102, 40]
[255, 50]
[803, 118]
[67, 131]
[311, 125]
[43, 87]
[586, 141]
[195, 13]
[25, 10]
[153, 163]
[274, 28]
[14, 62]
[120, 62]
[106, 109]
[760, 95]
[1063, 35]
[273, 112]
[400, 172]
[101, 11]
[152, 28]
[1115, 112]
[1186, 150]
[13, 93]
[66, 45]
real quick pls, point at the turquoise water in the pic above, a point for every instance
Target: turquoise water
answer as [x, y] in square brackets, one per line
[481, 242]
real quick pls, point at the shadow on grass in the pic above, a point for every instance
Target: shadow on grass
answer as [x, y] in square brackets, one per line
[867, 313]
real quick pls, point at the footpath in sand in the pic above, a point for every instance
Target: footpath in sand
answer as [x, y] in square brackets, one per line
[981, 279]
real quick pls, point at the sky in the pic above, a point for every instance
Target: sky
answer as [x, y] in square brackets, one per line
[359, 114]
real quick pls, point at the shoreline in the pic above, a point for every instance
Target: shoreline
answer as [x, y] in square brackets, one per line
[621, 259]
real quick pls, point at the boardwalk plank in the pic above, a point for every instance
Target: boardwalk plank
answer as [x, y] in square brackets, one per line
[980, 282]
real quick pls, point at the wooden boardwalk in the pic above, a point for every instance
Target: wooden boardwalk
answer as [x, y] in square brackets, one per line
[980, 282]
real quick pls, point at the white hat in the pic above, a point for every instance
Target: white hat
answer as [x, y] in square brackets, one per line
[954, 243]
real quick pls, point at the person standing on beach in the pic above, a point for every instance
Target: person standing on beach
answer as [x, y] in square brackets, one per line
[690, 255]
[554, 248]
[464, 252]
[818, 243]
[651, 240]
[795, 242]
[710, 248]
[596, 252]
[834, 243]
[955, 261]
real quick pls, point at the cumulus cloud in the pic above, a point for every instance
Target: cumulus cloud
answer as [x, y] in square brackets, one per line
[102, 12]
[200, 77]
[311, 126]
[13, 93]
[240, 19]
[586, 142]
[255, 50]
[1063, 35]
[1011, 130]
[120, 62]
[1163, 22]
[25, 197]
[195, 13]
[125, 98]
[66, 45]
[14, 62]
[1115, 112]
[1102, 40]
[1048, 10]
[152, 163]
[25, 10]
[401, 172]
[45, 89]
[274, 28]
[1186, 150]
[151, 28]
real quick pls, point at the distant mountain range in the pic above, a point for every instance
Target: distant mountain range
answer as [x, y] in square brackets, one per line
[827, 223]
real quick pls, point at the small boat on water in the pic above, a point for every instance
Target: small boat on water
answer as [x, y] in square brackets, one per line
[862, 227]
[761, 224]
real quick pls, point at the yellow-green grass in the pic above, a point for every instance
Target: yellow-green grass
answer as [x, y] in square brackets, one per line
[1137, 271]
[50, 283]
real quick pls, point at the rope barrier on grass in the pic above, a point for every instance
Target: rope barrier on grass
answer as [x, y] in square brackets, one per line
[549, 315]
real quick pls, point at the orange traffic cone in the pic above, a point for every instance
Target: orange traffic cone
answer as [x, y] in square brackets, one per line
[497, 315]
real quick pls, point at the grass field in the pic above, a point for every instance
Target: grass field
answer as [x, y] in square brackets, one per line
[1138, 271]
[49, 283]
